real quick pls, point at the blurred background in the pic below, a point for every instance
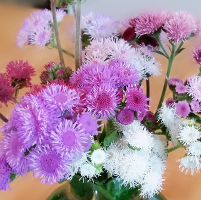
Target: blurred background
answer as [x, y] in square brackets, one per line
[125, 8]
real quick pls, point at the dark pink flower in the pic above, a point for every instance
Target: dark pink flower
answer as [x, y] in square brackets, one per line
[181, 89]
[173, 82]
[170, 101]
[197, 55]
[6, 91]
[125, 116]
[20, 70]
[129, 33]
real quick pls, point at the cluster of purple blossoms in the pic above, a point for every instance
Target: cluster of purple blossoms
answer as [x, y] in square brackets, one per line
[37, 29]
[101, 84]
[45, 134]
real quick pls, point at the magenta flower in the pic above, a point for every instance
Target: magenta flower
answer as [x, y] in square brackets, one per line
[180, 26]
[103, 101]
[14, 152]
[60, 96]
[148, 23]
[182, 108]
[195, 106]
[6, 91]
[129, 33]
[125, 116]
[150, 116]
[181, 89]
[69, 138]
[197, 55]
[88, 123]
[49, 165]
[19, 70]
[135, 99]
[4, 174]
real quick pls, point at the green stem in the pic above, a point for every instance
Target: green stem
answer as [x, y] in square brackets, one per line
[179, 47]
[78, 48]
[170, 62]
[3, 118]
[63, 50]
[53, 8]
[174, 148]
[159, 133]
[160, 196]
[161, 45]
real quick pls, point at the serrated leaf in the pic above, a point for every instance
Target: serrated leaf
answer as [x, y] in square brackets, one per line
[110, 138]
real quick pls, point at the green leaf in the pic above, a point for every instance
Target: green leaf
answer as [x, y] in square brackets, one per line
[101, 136]
[161, 53]
[12, 177]
[110, 138]
[200, 71]
[195, 117]
[179, 51]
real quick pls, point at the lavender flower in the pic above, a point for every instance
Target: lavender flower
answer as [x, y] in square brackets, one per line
[195, 106]
[182, 108]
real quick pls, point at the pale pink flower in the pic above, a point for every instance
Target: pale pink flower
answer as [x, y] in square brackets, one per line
[180, 26]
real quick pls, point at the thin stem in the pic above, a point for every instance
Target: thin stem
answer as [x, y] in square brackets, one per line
[170, 62]
[3, 118]
[148, 89]
[53, 8]
[63, 50]
[179, 47]
[78, 50]
[161, 45]
[174, 148]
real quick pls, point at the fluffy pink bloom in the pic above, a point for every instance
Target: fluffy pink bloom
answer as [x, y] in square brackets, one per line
[180, 26]
[182, 108]
[194, 87]
[197, 55]
[20, 70]
[6, 91]
[135, 99]
[103, 101]
[195, 106]
[173, 82]
[125, 116]
[180, 89]
[149, 22]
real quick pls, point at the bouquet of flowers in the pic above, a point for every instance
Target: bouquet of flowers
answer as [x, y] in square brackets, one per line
[93, 125]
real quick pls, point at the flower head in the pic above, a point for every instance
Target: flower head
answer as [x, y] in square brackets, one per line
[98, 156]
[195, 106]
[19, 70]
[103, 101]
[129, 33]
[180, 26]
[197, 55]
[194, 148]
[6, 91]
[182, 108]
[194, 87]
[147, 23]
[69, 138]
[170, 101]
[4, 174]
[173, 82]
[180, 89]
[125, 116]
[135, 99]
[49, 165]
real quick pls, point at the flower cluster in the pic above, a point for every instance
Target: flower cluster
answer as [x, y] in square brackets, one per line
[56, 130]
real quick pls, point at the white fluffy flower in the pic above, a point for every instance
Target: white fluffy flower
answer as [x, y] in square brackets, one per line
[152, 184]
[139, 137]
[88, 170]
[98, 156]
[195, 148]
[189, 134]
[171, 120]
[191, 163]
[194, 87]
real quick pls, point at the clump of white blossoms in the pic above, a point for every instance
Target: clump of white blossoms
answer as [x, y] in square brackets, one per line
[137, 167]
[169, 118]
